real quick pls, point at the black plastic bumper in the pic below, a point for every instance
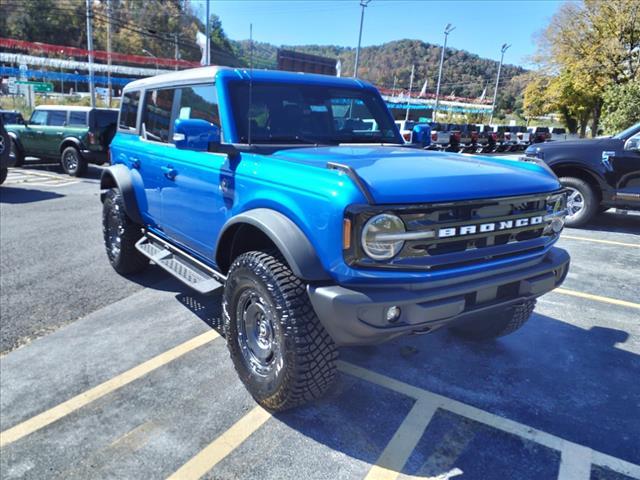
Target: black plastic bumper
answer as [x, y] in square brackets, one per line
[357, 317]
[92, 156]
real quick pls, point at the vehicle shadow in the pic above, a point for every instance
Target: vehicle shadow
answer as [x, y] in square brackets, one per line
[610, 221]
[93, 171]
[574, 383]
[15, 195]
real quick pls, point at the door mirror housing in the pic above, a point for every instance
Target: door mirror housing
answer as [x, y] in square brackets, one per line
[195, 134]
[633, 144]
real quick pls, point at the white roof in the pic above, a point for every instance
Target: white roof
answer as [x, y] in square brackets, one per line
[72, 108]
[178, 77]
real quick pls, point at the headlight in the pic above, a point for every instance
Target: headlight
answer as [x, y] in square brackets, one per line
[378, 236]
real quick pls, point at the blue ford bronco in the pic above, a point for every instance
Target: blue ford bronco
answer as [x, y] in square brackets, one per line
[296, 195]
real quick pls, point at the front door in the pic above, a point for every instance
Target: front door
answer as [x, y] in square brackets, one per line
[624, 174]
[33, 135]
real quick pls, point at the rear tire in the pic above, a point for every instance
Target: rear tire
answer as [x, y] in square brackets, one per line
[3, 174]
[120, 236]
[16, 154]
[491, 325]
[72, 162]
[279, 348]
[582, 201]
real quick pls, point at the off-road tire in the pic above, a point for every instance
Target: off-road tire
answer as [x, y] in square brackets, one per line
[17, 153]
[305, 366]
[126, 259]
[72, 162]
[591, 203]
[3, 174]
[493, 325]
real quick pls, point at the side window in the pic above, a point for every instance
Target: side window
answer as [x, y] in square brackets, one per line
[156, 118]
[39, 117]
[57, 118]
[77, 119]
[199, 101]
[129, 110]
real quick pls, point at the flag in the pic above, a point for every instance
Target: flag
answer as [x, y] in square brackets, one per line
[201, 40]
[338, 68]
[423, 92]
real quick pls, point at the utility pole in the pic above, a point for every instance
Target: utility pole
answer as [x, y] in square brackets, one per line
[363, 4]
[92, 87]
[393, 90]
[406, 117]
[447, 30]
[176, 54]
[207, 54]
[109, 53]
[503, 49]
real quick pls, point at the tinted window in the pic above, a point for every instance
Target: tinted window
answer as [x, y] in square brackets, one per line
[104, 118]
[57, 118]
[39, 117]
[77, 119]
[199, 101]
[156, 119]
[129, 110]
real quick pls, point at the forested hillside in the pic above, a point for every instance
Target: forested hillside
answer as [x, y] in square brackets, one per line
[152, 25]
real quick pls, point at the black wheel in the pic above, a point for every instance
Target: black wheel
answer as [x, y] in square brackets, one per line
[72, 162]
[3, 174]
[279, 348]
[120, 236]
[15, 154]
[492, 325]
[582, 201]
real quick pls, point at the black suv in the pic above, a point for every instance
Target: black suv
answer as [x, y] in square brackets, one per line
[73, 136]
[601, 173]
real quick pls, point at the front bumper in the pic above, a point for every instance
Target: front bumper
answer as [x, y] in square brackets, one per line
[357, 317]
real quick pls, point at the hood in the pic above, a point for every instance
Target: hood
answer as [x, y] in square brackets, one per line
[605, 143]
[404, 175]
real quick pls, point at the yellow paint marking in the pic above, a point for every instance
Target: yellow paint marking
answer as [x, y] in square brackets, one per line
[63, 409]
[597, 298]
[597, 240]
[392, 460]
[222, 446]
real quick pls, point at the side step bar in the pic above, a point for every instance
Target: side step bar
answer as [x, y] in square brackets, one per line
[180, 264]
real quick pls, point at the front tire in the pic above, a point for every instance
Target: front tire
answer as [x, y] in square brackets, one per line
[279, 348]
[582, 201]
[15, 154]
[3, 174]
[120, 236]
[493, 325]
[72, 162]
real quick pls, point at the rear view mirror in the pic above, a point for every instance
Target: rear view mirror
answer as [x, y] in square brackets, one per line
[633, 144]
[195, 134]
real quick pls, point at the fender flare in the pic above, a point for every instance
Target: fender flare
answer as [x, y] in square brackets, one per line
[118, 176]
[68, 140]
[290, 240]
[580, 166]
[15, 138]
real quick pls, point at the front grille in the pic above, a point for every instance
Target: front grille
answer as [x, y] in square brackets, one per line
[461, 249]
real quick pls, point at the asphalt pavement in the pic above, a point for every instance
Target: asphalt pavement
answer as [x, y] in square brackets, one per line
[129, 378]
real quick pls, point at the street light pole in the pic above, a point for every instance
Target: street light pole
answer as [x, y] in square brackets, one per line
[109, 13]
[207, 48]
[447, 30]
[92, 87]
[363, 4]
[503, 49]
[147, 52]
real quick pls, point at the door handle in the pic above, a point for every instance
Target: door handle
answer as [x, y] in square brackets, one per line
[170, 172]
[135, 163]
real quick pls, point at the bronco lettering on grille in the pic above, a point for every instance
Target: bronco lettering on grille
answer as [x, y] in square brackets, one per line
[488, 227]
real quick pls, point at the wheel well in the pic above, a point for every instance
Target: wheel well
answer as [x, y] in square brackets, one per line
[238, 239]
[68, 143]
[568, 171]
[107, 181]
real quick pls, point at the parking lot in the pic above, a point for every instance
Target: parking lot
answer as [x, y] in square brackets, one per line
[108, 377]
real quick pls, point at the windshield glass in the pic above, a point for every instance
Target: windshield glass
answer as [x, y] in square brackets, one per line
[310, 114]
[628, 132]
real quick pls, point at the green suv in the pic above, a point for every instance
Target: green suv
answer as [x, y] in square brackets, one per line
[73, 136]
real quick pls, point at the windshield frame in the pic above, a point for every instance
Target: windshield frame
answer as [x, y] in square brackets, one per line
[300, 139]
[628, 132]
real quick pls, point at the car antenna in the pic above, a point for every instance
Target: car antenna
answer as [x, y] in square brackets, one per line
[250, 83]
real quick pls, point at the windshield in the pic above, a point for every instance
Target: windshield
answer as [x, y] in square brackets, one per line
[623, 135]
[310, 114]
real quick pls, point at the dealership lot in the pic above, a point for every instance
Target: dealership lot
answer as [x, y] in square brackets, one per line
[129, 378]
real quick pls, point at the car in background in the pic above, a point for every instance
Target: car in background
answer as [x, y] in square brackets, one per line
[486, 139]
[440, 136]
[10, 117]
[405, 127]
[600, 173]
[5, 159]
[539, 134]
[72, 136]
[558, 133]
[520, 136]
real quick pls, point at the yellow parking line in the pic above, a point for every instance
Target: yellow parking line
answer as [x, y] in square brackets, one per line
[597, 240]
[63, 409]
[222, 446]
[597, 298]
[392, 460]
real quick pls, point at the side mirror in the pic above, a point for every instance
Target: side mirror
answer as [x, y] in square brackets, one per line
[633, 144]
[195, 134]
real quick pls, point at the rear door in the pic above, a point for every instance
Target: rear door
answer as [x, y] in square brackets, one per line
[53, 133]
[625, 174]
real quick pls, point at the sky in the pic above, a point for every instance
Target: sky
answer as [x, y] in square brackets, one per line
[481, 26]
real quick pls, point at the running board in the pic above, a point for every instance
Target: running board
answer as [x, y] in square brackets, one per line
[180, 264]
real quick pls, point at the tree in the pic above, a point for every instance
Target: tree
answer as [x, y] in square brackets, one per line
[587, 48]
[621, 106]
